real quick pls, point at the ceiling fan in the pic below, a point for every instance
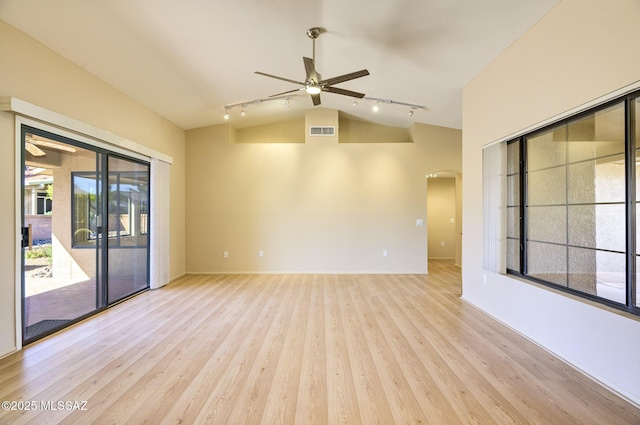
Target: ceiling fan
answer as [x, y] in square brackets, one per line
[33, 144]
[314, 84]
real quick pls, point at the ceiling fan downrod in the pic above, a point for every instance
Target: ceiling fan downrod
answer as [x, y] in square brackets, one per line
[314, 33]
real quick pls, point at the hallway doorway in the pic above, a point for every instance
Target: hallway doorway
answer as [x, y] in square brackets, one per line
[444, 217]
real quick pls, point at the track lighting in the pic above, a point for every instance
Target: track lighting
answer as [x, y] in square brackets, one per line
[377, 101]
[244, 105]
[287, 103]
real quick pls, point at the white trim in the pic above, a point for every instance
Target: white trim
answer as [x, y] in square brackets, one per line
[566, 114]
[78, 128]
[18, 217]
[23, 120]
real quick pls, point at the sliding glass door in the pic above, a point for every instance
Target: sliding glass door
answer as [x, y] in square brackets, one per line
[84, 230]
[128, 212]
[61, 259]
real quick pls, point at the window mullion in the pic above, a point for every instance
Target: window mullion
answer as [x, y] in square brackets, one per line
[630, 174]
[523, 203]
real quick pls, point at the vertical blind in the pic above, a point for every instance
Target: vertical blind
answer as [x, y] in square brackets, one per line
[494, 193]
[159, 223]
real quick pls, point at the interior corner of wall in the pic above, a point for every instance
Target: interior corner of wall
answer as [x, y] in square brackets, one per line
[412, 132]
[233, 134]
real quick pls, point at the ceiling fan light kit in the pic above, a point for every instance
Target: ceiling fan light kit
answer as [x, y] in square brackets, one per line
[314, 84]
[313, 89]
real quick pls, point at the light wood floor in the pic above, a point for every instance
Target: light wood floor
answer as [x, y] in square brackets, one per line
[302, 349]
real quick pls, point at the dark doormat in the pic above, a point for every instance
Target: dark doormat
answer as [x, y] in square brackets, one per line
[42, 327]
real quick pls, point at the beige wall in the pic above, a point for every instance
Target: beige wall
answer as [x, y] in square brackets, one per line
[7, 236]
[31, 72]
[580, 51]
[441, 209]
[67, 263]
[319, 206]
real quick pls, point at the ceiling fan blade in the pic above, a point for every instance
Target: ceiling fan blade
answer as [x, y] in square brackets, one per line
[310, 68]
[316, 99]
[287, 92]
[34, 150]
[345, 77]
[344, 92]
[279, 78]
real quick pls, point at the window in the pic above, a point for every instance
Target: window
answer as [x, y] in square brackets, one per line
[43, 202]
[127, 209]
[571, 204]
[85, 209]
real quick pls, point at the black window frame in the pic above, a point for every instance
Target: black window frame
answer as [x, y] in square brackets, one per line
[113, 236]
[630, 151]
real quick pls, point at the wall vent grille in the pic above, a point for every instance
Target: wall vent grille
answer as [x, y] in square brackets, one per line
[322, 130]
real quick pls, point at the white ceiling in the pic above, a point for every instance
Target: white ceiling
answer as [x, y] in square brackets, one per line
[186, 59]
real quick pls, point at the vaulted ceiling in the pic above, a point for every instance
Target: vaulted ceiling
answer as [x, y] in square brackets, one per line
[186, 59]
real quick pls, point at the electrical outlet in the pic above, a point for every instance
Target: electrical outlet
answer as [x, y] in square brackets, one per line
[441, 243]
[384, 253]
[225, 254]
[261, 254]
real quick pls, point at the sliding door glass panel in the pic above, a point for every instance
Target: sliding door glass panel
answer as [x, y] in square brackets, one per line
[128, 224]
[576, 198]
[61, 253]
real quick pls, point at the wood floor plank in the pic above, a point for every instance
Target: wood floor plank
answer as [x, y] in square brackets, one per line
[342, 398]
[113, 357]
[373, 405]
[187, 407]
[301, 349]
[399, 330]
[154, 391]
[403, 404]
[311, 405]
[221, 403]
[252, 397]
[280, 407]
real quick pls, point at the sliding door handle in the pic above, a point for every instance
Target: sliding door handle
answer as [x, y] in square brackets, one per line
[27, 240]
